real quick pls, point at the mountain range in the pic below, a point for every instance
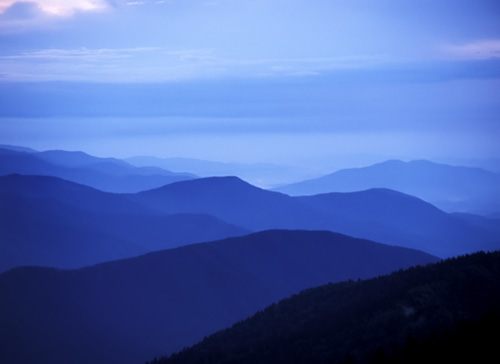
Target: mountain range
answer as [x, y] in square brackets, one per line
[107, 174]
[444, 312]
[102, 261]
[265, 175]
[130, 310]
[451, 188]
[52, 222]
[382, 215]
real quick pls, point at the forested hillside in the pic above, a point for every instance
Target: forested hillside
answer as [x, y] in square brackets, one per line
[383, 319]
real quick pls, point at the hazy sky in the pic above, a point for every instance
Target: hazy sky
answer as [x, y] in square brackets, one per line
[289, 81]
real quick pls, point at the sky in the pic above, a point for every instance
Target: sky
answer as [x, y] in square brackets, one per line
[331, 83]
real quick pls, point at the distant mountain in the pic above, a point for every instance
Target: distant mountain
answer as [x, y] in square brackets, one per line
[395, 218]
[131, 310]
[451, 188]
[17, 148]
[107, 174]
[491, 224]
[379, 214]
[233, 200]
[52, 222]
[445, 312]
[265, 175]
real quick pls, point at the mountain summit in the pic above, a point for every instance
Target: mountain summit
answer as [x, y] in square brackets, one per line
[451, 188]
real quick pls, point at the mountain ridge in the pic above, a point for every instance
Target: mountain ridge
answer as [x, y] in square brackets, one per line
[130, 310]
[53, 222]
[452, 188]
[363, 214]
[388, 319]
[107, 174]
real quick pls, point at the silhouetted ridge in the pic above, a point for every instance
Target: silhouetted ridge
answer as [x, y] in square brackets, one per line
[130, 310]
[373, 321]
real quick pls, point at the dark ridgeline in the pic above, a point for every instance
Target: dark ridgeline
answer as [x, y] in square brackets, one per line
[451, 188]
[439, 313]
[131, 310]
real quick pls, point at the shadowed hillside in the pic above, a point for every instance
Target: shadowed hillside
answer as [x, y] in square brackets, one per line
[407, 317]
[130, 310]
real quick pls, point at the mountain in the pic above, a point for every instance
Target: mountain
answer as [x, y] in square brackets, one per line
[130, 310]
[431, 314]
[17, 148]
[265, 175]
[451, 188]
[230, 199]
[107, 174]
[399, 219]
[378, 214]
[490, 224]
[52, 222]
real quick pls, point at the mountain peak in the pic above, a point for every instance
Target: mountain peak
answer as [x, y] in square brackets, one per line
[227, 183]
[451, 188]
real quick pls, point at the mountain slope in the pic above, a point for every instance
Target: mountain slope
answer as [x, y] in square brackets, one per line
[381, 215]
[396, 218]
[451, 188]
[107, 174]
[232, 200]
[131, 310]
[366, 321]
[52, 222]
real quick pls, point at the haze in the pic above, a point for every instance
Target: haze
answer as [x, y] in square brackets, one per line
[321, 82]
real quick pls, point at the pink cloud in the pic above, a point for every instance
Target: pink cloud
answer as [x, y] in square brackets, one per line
[57, 7]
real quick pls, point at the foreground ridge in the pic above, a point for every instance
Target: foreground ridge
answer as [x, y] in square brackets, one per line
[426, 307]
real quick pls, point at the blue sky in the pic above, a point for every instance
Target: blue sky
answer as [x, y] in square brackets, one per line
[285, 81]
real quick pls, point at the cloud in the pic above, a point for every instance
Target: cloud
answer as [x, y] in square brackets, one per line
[80, 53]
[135, 3]
[482, 49]
[154, 64]
[81, 64]
[57, 7]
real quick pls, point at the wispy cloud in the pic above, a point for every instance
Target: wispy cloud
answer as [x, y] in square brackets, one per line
[80, 54]
[482, 49]
[135, 3]
[151, 64]
[156, 64]
[80, 64]
[207, 60]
